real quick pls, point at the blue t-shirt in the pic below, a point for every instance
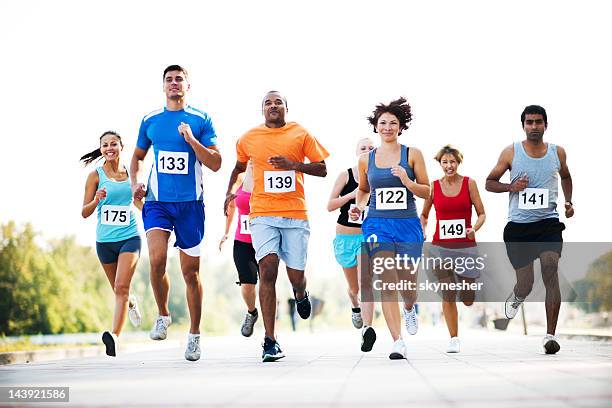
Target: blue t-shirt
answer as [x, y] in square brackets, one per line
[176, 174]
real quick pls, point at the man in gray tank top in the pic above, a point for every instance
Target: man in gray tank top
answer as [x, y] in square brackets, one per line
[534, 230]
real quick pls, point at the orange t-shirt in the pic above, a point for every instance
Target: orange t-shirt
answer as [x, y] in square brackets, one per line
[278, 193]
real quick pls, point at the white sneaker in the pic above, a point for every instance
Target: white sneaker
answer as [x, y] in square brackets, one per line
[512, 305]
[550, 343]
[111, 342]
[160, 328]
[453, 345]
[357, 320]
[134, 311]
[248, 324]
[410, 319]
[398, 352]
[192, 353]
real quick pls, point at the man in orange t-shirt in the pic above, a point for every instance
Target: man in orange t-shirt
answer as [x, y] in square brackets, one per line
[278, 221]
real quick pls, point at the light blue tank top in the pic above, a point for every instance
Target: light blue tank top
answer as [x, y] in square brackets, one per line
[539, 200]
[388, 200]
[116, 218]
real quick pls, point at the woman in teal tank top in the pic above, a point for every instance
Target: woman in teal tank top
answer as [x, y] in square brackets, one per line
[108, 191]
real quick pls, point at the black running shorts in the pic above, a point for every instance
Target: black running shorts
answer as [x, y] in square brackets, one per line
[244, 259]
[526, 241]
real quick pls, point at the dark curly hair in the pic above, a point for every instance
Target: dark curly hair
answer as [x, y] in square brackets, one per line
[399, 108]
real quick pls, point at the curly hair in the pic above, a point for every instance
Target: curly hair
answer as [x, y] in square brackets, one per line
[399, 108]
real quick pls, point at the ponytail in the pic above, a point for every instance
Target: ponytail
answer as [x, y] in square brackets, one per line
[96, 154]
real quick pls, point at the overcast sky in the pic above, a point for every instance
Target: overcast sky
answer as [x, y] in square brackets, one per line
[71, 70]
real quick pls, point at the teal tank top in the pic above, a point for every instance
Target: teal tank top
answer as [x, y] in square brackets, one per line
[389, 198]
[539, 200]
[116, 218]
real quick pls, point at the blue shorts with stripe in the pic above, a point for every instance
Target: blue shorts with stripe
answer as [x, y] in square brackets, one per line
[403, 236]
[186, 219]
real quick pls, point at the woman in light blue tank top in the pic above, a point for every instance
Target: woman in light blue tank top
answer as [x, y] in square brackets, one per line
[391, 176]
[108, 191]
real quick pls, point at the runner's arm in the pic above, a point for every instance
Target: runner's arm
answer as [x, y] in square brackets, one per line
[335, 199]
[318, 169]
[566, 182]
[419, 187]
[477, 203]
[363, 190]
[135, 165]
[239, 168]
[91, 199]
[426, 209]
[503, 164]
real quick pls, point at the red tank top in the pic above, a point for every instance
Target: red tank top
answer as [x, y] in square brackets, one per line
[453, 216]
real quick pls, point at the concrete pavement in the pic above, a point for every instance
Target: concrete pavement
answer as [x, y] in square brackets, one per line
[328, 370]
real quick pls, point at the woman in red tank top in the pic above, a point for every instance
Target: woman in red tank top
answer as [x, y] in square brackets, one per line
[453, 197]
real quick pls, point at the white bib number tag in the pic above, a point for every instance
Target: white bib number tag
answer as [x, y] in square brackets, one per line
[362, 217]
[244, 225]
[450, 229]
[279, 181]
[172, 162]
[115, 215]
[533, 198]
[391, 198]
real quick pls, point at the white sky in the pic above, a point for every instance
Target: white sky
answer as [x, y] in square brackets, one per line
[71, 70]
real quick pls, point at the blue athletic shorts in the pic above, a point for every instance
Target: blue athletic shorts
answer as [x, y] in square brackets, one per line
[186, 219]
[347, 248]
[403, 236]
[285, 237]
[108, 252]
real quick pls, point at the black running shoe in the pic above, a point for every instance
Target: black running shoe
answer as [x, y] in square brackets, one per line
[303, 306]
[368, 337]
[550, 343]
[110, 341]
[271, 350]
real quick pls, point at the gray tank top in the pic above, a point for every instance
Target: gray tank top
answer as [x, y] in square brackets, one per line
[389, 198]
[539, 200]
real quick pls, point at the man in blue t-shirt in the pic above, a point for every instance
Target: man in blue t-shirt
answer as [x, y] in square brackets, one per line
[183, 138]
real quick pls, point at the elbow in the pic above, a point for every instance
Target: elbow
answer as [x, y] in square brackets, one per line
[84, 214]
[330, 208]
[216, 166]
[489, 185]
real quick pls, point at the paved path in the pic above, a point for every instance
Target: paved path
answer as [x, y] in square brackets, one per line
[327, 370]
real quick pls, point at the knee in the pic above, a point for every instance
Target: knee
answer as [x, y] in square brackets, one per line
[157, 262]
[191, 276]
[468, 302]
[122, 290]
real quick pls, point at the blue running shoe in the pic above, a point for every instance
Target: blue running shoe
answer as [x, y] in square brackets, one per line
[303, 306]
[271, 350]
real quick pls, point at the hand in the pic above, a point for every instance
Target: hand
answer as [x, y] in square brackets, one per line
[399, 171]
[424, 228]
[569, 210]
[471, 233]
[228, 199]
[223, 239]
[281, 163]
[139, 191]
[355, 213]
[185, 130]
[100, 195]
[519, 184]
